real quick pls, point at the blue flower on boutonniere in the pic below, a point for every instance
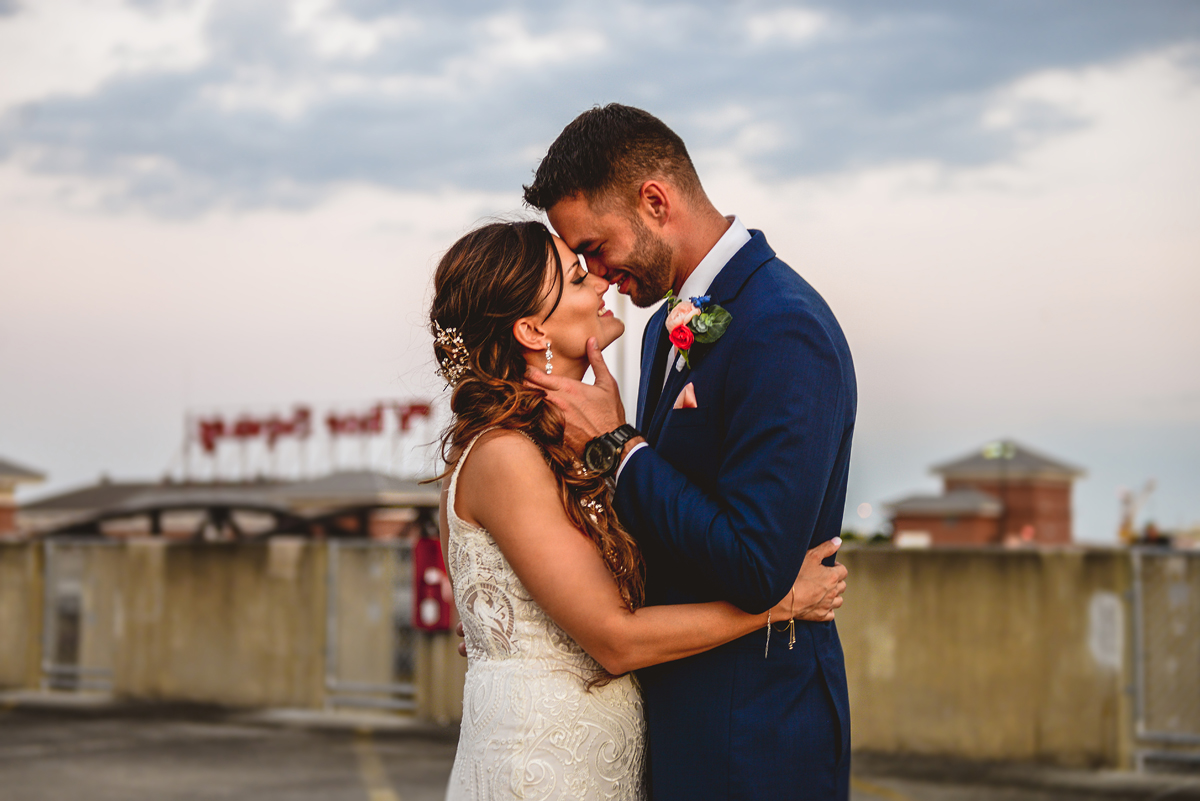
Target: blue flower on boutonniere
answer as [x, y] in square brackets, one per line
[697, 320]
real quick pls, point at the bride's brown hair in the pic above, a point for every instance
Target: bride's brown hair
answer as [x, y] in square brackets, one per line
[489, 279]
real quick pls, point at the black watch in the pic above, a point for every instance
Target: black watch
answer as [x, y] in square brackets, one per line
[603, 454]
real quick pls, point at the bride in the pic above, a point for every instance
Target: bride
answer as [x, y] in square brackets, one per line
[547, 583]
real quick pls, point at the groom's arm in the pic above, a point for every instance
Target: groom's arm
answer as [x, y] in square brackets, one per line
[786, 417]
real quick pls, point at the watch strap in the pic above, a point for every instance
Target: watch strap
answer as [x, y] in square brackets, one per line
[622, 434]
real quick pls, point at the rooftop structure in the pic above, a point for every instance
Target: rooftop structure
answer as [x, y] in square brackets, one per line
[355, 503]
[1002, 493]
[1006, 459]
[12, 475]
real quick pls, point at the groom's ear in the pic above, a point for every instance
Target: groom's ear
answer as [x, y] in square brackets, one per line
[654, 202]
[529, 334]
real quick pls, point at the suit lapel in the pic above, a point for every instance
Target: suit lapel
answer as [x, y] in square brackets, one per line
[654, 330]
[724, 289]
[744, 263]
[675, 384]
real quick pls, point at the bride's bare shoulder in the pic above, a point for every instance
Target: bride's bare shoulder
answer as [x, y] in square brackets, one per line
[504, 471]
[503, 454]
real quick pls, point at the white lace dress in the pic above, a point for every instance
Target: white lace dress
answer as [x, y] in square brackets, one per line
[530, 727]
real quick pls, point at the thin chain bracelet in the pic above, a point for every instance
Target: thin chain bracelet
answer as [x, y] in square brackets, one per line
[790, 626]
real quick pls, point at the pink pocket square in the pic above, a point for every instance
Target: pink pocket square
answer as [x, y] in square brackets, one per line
[686, 399]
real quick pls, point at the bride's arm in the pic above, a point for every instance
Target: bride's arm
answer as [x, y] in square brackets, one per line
[507, 488]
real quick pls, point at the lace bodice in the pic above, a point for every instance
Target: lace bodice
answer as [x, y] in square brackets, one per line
[500, 618]
[531, 729]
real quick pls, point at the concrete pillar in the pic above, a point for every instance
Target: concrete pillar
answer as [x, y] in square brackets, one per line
[20, 615]
[138, 630]
[440, 674]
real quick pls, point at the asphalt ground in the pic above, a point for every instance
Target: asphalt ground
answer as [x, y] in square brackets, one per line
[107, 752]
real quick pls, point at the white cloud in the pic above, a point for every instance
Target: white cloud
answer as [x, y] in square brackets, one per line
[500, 48]
[337, 35]
[786, 25]
[509, 43]
[73, 46]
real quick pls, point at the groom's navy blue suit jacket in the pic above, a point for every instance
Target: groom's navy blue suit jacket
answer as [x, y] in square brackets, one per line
[725, 503]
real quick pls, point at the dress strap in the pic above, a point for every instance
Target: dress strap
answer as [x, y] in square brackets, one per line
[462, 457]
[453, 492]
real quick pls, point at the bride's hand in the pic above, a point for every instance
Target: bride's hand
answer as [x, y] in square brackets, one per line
[817, 593]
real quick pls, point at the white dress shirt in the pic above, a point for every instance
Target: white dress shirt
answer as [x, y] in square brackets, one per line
[697, 284]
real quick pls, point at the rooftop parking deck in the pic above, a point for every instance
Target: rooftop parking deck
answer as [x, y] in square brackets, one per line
[53, 748]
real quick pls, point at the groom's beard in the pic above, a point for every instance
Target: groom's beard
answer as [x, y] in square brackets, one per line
[649, 266]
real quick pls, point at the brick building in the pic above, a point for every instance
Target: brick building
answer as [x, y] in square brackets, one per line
[1004, 493]
[11, 475]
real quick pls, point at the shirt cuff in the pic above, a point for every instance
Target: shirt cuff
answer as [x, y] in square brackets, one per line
[628, 456]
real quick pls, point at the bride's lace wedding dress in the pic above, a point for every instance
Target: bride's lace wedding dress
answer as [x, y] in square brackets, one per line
[530, 727]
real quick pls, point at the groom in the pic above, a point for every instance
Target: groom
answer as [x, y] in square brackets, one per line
[737, 466]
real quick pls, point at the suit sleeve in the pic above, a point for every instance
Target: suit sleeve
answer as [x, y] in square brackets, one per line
[785, 416]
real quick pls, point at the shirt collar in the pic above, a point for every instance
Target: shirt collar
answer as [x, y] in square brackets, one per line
[710, 266]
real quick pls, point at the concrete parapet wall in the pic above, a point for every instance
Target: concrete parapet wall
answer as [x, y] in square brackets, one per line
[20, 615]
[989, 654]
[971, 653]
[240, 625]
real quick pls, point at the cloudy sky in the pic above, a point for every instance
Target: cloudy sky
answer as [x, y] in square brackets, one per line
[239, 202]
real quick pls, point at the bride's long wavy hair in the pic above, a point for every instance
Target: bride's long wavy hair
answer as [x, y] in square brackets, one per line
[489, 279]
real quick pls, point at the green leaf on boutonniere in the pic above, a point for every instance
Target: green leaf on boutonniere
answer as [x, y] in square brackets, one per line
[710, 325]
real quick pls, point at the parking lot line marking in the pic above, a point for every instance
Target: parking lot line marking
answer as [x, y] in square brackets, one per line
[370, 767]
[877, 790]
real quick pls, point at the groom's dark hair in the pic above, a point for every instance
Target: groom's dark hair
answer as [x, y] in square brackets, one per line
[609, 148]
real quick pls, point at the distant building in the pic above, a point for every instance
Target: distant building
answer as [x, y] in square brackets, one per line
[12, 474]
[357, 503]
[1002, 494]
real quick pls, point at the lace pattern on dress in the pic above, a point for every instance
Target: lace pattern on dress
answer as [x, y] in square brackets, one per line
[531, 729]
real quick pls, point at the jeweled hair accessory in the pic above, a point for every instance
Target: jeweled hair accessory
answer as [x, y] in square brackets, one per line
[455, 362]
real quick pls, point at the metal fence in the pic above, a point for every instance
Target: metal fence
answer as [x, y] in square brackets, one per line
[1166, 599]
[79, 614]
[370, 641]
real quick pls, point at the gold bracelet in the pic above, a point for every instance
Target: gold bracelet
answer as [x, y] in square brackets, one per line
[792, 622]
[768, 648]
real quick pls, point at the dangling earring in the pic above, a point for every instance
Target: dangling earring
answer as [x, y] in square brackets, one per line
[549, 357]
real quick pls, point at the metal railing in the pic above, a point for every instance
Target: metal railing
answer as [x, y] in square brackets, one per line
[78, 615]
[1166, 655]
[369, 639]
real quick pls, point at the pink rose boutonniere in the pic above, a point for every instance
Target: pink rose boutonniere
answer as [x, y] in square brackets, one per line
[692, 321]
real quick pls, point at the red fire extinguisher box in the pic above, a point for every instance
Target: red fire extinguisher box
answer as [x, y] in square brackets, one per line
[430, 611]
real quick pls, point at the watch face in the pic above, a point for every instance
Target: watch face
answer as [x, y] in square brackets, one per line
[599, 455]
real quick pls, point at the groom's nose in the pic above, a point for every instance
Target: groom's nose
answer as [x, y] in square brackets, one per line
[597, 269]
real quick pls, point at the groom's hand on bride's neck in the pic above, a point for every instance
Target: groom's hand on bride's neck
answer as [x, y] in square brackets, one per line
[590, 409]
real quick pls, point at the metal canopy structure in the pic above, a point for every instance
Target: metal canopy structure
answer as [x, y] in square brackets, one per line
[12, 472]
[340, 505]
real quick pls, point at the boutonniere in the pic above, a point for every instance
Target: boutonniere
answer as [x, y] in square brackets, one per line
[696, 320]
